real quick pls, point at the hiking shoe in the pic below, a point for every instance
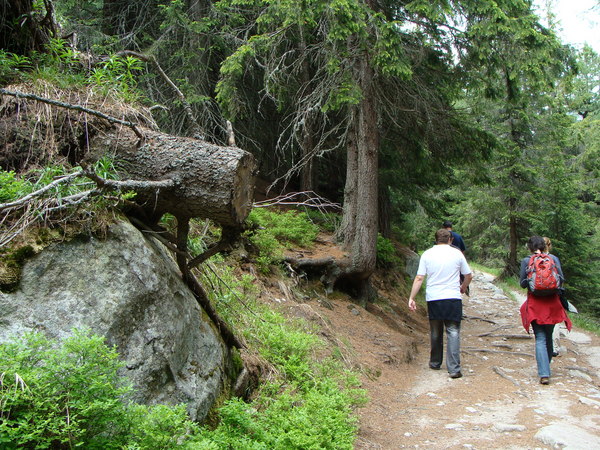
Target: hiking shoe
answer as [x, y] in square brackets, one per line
[434, 367]
[456, 375]
[544, 380]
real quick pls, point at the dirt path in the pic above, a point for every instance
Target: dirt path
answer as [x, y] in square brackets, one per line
[498, 403]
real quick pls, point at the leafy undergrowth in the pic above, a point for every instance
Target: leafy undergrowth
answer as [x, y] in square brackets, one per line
[307, 396]
[68, 394]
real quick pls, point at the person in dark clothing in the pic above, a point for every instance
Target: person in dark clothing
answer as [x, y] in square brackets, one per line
[457, 240]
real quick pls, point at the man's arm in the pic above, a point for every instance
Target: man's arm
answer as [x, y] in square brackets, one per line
[465, 283]
[414, 291]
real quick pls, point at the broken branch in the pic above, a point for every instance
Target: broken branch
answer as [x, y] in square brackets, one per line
[74, 107]
[28, 197]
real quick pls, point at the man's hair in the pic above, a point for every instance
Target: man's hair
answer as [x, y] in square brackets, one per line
[442, 236]
[536, 243]
[447, 224]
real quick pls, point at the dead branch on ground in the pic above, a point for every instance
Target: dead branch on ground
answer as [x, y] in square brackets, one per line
[585, 370]
[307, 198]
[501, 327]
[480, 318]
[487, 350]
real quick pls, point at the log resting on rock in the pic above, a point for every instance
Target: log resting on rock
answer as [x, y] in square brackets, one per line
[210, 181]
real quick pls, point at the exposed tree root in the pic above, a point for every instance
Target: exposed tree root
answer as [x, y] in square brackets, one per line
[487, 350]
[501, 372]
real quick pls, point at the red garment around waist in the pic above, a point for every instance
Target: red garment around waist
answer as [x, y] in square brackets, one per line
[544, 310]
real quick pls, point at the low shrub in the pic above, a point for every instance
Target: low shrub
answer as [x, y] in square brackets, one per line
[273, 231]
[386, 253]
[70, 395]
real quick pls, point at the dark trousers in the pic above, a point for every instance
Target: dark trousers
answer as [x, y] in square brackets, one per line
[436, 330]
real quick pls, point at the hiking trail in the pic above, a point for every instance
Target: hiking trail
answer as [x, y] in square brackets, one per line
[498, 403]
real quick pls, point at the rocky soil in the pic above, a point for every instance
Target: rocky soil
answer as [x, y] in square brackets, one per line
[498, 403]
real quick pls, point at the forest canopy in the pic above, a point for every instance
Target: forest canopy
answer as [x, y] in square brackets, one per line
[406, 112]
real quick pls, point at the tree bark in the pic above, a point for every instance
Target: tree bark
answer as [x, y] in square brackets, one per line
[347, 227]
[209, 181]
[307, 173]
[197, 179]
[359, 222]
[365, 238]
[22, 30]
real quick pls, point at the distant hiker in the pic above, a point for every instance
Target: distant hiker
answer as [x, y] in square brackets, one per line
[457, 240]
[442, 265]
[540, 311]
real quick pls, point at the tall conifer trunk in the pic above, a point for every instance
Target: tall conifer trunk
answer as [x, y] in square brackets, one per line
[359, 223]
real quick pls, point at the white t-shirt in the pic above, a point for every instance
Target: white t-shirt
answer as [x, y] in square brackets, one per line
[443, 264]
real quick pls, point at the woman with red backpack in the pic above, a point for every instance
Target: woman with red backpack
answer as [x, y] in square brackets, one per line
[542, 275]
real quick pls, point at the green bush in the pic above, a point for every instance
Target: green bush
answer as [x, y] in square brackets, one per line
[290, 227]
[317, 415]
[11, 187]
[386, 252]
[306, 404]
[326, 221]
[289, 348]
[592, 307]
[273, 231]
[70, 395]
[10, 65]
[159, 426]
[61, 397]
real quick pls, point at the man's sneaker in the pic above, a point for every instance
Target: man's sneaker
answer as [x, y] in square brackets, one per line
[456, 375]
[544, 380]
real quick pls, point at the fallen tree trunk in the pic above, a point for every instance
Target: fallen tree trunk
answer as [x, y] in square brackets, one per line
[185, 177]
[209, 181]
[199, 179]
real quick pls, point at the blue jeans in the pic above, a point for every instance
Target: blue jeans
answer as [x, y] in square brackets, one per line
[436, 329]
[543, 347]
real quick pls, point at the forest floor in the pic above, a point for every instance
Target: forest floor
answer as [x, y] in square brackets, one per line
[498, 403]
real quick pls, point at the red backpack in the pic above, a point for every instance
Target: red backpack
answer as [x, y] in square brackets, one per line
[542, 275]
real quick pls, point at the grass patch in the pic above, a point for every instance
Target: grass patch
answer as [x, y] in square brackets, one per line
[69, 395]
[586, 322]
[491, 270]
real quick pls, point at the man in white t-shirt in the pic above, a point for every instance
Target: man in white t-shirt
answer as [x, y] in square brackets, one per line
[443, 264]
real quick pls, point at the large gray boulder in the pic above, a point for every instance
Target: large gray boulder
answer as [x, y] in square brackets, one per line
[127, 288]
